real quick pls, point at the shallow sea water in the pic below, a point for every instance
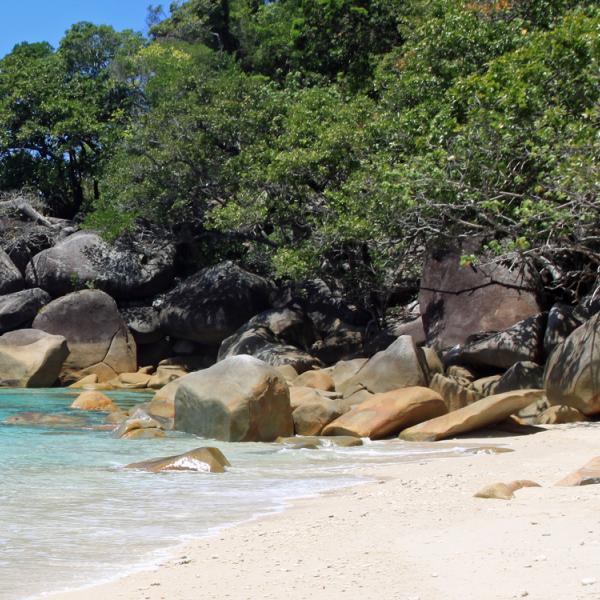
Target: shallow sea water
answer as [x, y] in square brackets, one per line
[71, 515]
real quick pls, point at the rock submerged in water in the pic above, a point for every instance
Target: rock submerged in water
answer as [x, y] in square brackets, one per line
[139, 425]
[200, 460]
[38, 419]
[94, 400]
[315, 442]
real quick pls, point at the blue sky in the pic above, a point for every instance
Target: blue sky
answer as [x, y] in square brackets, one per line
[47, 20]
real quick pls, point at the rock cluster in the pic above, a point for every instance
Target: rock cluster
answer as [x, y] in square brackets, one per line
[233, 357]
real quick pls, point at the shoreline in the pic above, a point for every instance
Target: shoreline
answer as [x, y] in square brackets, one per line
[415, 533]
[168, 553]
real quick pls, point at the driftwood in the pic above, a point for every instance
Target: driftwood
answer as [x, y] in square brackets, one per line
[22, 206]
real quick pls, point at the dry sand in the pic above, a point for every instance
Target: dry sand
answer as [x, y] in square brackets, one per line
[417, 533]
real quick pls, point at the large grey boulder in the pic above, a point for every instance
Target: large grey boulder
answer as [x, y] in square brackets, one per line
[31, 358]
[521, 342]
[241, 399]
[98, 339]
[458, 301]
[212, 304]
[572, 376]
[401, 365]
[10, 277]
[126, 270]
[17, 310]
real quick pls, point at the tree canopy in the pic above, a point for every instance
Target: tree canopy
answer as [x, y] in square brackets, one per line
[329, 137]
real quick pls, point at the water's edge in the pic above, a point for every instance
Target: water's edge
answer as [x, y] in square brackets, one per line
[71, 517]
[170, 553]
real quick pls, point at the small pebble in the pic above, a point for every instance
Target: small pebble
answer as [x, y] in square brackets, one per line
[588, 581]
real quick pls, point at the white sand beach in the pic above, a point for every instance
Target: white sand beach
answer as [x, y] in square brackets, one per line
[416, 533]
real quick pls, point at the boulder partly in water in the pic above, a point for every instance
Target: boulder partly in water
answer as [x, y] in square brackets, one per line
[240, 399]
[31, 358]
[200, 460]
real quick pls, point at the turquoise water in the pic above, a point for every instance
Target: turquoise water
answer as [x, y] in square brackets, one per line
[71, 515]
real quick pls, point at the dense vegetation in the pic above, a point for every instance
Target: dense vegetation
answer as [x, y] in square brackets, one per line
[337, 137]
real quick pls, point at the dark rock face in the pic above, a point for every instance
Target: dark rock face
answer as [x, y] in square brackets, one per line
[84, 258]
[587, 308]
[459, 301]
[18, 310]
[263, 344]
[98, 339]
[322, 305]
[521, 342]
[561, 323]
[521, 376]
[572, 376]
[10, 277]
[287, 326]
[277, 336]
[344, 341]
[212, 304]
[339, 325]
[143, 322]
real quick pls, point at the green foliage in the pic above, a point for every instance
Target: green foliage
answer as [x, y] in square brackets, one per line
[61, 113]
[321, 137]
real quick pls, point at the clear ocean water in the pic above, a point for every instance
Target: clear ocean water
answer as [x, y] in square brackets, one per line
[71, 515]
